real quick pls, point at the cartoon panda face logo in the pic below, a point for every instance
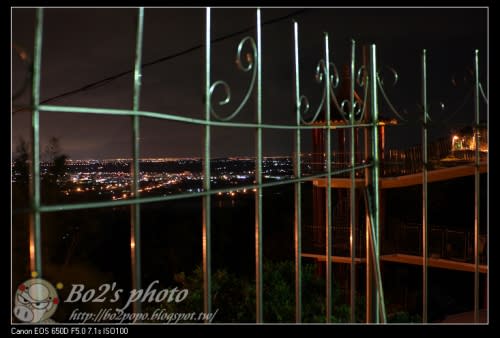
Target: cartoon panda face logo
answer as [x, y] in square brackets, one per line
[35, 301]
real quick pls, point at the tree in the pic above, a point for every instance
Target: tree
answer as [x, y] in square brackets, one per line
[52, 154]
[51, 193]
[20, 204]
[57, 170]
[21, 161]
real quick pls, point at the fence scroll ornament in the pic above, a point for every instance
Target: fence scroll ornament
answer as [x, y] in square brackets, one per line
[245, 66]
[359, 105]
[466, 82]
[380, 83]
[345, 106]
[304, 101]
[468, 79]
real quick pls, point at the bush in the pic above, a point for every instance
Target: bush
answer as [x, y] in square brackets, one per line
[234, 296]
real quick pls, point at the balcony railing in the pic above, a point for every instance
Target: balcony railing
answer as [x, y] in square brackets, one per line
[444, 243]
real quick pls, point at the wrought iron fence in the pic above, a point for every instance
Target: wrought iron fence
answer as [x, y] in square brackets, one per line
[357, 115]
[445, 243]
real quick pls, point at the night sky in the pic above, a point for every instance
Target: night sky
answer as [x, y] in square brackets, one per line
[81, 46]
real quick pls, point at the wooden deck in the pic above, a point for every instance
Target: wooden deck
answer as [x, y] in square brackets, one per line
[407, 180]
[441, 174]
[466, 318]
[434, 262]
[335, 259]
[407, 259]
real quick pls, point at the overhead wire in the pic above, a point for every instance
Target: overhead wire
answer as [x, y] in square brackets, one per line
[109, 79]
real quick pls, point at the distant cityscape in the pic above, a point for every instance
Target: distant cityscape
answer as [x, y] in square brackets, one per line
[111, 178]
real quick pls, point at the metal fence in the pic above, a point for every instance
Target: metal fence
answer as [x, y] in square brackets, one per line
[457, 245]
[357, 117]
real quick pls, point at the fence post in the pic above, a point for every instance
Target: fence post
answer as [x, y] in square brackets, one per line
[328, 203]
[476, 187]
[35, 220]
[425, 236]
[135, 211]
[298, 187]
[258, 178]
[353, 190]
[206, 218]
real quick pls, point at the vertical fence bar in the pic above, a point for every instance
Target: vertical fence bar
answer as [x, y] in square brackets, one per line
[353, 190]
[258, 179]
[369, 268]
[369, 285]
[425, 233]
[35, 221]
[476, 187]
[379, 314]
[375, 209]
[298, 187]
[135, 215]
[375, 214]
[328, 207]
[206, 231]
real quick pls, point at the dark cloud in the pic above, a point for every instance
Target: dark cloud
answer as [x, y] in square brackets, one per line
[85, 45]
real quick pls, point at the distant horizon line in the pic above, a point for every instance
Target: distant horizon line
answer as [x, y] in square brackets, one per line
[172, 158]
